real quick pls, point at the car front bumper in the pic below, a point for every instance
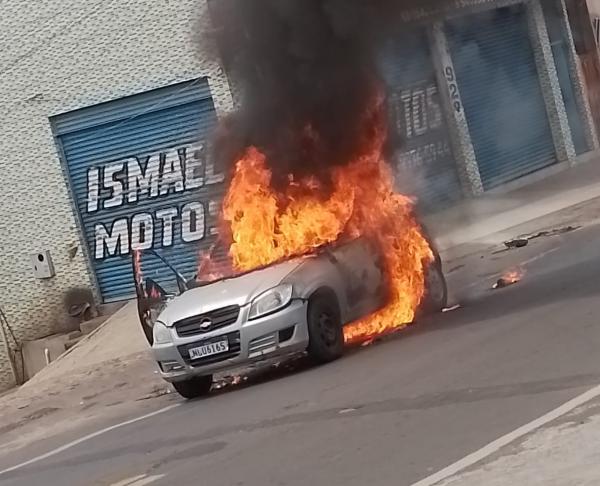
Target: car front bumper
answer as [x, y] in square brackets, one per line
[282, 333]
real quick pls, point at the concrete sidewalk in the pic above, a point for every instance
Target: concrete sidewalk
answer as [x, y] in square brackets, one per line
[118, 338]
[565, 453]
[488, 219]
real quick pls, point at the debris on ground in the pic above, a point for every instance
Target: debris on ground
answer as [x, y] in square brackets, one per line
[509, 278]
[553, 232]
[523, 241]
[452, 308]
[516, 243]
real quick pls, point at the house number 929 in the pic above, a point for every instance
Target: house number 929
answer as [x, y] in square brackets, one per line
[453, 88]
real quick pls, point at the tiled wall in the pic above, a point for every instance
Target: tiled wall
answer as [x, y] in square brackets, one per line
[63, 56]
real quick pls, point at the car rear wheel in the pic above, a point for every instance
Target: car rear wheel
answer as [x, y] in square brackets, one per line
[326, 335]
[194, 387]
[436, 290]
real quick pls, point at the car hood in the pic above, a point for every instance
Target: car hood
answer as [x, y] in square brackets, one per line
[234, 291]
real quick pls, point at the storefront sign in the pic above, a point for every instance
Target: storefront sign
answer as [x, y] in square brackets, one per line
[143, 180]
[420, 125]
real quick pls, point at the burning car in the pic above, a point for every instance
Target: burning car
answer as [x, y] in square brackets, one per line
[301, 304]
[321, 249]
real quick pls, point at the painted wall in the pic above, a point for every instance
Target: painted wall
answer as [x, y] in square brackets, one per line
[594, 8]
[63, 56]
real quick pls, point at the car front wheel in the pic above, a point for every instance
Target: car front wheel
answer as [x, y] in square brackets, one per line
[326, 334]
[194, 387]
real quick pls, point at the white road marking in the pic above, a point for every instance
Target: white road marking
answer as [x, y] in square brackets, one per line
[148, 480]
[91, 436]
[540, 256]
[498, 444]
[127, 482]
[139, 480]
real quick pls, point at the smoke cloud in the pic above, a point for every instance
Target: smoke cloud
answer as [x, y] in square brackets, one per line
[306, 72]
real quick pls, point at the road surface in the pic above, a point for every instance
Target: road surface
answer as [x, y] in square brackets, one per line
[392, 413]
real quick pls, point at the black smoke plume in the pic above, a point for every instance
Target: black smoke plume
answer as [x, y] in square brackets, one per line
[305, 72]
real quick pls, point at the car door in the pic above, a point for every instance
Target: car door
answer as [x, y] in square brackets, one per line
[362, 275]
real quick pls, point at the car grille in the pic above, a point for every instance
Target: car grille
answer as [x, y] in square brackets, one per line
[234, 350]
[218, 318]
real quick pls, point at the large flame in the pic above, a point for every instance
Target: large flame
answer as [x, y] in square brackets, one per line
[267, 225]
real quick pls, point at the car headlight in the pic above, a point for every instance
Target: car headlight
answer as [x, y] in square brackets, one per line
[271, 301]
[161, 333]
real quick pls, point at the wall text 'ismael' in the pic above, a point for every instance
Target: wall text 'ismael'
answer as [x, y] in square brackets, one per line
[124, 193]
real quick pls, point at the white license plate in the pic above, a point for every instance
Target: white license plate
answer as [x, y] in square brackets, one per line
[209, 349]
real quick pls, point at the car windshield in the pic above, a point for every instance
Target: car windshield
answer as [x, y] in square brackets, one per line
[155, 272]
[214, 265]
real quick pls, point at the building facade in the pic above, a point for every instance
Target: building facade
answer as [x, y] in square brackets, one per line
[506, 79]
[61, 57]
[111, 106]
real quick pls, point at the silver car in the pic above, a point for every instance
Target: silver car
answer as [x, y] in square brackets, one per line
[298, 305]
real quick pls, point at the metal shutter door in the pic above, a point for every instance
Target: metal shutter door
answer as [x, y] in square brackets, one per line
[423, 158]
[559, 42]
[158, 127]
[502, 97]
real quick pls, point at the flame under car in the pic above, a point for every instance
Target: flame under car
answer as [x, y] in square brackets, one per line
[302, 304]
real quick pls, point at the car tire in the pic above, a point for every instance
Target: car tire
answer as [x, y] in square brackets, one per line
[326, 334]
[194, 387]
[436, 290]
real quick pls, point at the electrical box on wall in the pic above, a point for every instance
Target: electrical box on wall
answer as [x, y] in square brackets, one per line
[42, 265]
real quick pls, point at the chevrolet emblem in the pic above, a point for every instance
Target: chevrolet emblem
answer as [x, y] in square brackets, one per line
[205, 324]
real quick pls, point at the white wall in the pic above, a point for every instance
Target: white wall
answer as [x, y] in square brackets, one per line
[56, 57]
[594, 8]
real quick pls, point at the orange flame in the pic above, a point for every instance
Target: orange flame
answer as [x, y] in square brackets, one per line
[511, 277]
[139, 278]
[267, 225]
[207, 268]
[137, 266]
[514, 276]
[154, 293]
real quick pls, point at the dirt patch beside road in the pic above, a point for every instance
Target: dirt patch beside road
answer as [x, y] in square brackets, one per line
[111, 372]
[113, 388]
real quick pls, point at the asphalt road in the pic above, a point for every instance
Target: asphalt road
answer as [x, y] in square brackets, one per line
[389, 414]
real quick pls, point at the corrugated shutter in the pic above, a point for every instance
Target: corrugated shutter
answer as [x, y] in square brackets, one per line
[560, 50]
[501, 93]
[112, 151]
[423, 159]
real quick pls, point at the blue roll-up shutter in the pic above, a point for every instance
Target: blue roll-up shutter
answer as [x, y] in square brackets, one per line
[501, 92]
[138, 172]
[560, 50]
[423, 158]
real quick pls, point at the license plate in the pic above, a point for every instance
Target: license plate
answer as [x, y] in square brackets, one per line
[209, 349]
